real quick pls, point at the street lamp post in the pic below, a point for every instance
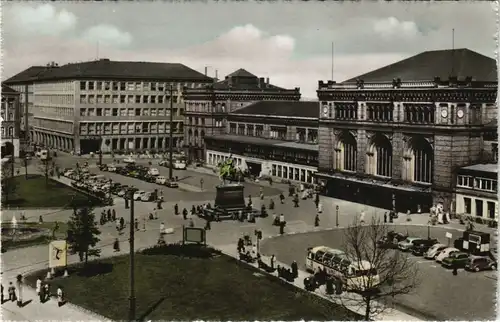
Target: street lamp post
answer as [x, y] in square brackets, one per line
[170, 141]
[131, 255]
[337, 215]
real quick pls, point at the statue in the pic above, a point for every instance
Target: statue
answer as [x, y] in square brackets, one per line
[228, 171]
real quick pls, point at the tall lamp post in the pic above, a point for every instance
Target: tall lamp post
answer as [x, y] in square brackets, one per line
[170, 135]
[337, 215]
[131, 313]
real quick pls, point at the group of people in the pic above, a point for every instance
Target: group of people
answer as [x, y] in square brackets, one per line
[15, 292]
[107, 216]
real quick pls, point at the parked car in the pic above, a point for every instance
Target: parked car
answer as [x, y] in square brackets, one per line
[435, 249]
[407, 244]
[68, 173]
[391, 240]
[445, 253]
[161, 180]
[138, 194]
[153, 172]
[129, 160]
[456, 259]
[163, 163]
[171, 184]
[420, 247]
[480, 263]
[111, 168]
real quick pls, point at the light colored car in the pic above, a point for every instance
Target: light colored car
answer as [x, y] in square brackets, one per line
[446, 253]
[153, 172]
[68, 173]
[161, 180]
[128, 160]
[434, 251]
[111, 168]
[138, 194]
[148, 196]
[121, 193]
[407, 244]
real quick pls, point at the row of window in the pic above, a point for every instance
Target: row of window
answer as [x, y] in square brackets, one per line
[127, 112]
[479, 208]
[275, 132]
[10, 131]
[477, 183]
[6, 117]
[292, 173]
[42, 99]
[126, 99]
[56, 110]
[134, 86]
[205, 107]
[128, 128]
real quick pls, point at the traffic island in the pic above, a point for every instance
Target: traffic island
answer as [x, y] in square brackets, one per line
[36, 191]
[192, 282]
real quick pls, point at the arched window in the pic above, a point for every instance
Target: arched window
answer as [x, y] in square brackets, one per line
[379, 157]
[11, 131]
[418, 161]
[196, 138]
[190, 136]
[346, 152]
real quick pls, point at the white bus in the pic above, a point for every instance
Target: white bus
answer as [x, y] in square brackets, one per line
[355, 275]
[180, 163]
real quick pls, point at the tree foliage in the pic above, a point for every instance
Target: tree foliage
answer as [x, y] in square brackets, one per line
[83, 233]
[8, 185]
[397, 274]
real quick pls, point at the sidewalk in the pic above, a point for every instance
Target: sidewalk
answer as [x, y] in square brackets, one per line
[349, 300]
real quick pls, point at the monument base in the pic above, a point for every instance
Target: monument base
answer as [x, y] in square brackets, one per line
[230, 197]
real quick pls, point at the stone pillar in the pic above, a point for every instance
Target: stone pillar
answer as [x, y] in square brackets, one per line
[361, 150]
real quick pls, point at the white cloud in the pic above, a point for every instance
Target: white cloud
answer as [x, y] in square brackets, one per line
[42, 20]
[391, 26]
[108, 34]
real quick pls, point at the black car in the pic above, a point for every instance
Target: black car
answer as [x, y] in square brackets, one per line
[421, 246]
[391, 240]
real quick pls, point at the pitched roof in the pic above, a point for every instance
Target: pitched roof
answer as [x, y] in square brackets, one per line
[107, 69]
[7, 90]
[241, 73]
[281, 108]
[438, 63]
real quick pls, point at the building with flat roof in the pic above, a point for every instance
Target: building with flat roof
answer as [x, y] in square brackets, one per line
[394, 137]
[277, 139]
[476, 192]
[11, 122]
[207, 107]
[107, 105]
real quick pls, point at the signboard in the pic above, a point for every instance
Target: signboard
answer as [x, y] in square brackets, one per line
[194, 235]
[448, 235]
[58, 253]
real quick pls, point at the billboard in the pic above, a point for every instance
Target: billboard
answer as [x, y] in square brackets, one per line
[58, 253]
[194, 235]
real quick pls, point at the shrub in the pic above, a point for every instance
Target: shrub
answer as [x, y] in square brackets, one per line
[186, 250]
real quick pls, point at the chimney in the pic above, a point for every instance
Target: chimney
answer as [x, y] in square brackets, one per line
[206, 70]
[267, 81]
[216, 75]
[261, 82]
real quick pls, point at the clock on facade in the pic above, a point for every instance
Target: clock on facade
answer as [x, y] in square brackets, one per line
[325, 110]
[460, 114]
[444, 112]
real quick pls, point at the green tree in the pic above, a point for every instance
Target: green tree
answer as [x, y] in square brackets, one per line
[83, 233]
[9, 186]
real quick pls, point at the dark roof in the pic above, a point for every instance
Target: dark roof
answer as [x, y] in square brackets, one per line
[107, 69]
[281, 108]
[241, 73]
[437, 63]
[7, 90]
[264, 141]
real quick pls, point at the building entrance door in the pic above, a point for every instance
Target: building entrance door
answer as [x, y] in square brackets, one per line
[254, 168]
[479, 208]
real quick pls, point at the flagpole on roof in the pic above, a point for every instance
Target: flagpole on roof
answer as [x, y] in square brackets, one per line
[452, 51]
[332, 59]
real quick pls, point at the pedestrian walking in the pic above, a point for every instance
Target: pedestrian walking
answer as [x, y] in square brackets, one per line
[12, 292]
[316, 200]
[272, 260]
[38, 286]
[282, 198]
[60, 296]
[113, 214]
[207, 224]
[109, 215]
[2, 299]
[385, 217]
[295, 269]
[46, 292]
[122, 223]
[136, 224]
[176, 209]
[116, 245]
[296, 201]
[316, 221]
[184, 213]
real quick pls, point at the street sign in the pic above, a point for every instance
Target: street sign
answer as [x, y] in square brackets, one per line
[58, 253]
[448, 235]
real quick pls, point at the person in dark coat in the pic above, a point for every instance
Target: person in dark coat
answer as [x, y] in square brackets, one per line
[193, 210]
[316, 200]
[2, 295]
[296, 201]
[316, 221]
[113, 214]
[184, 213]
[12, 292]
[122, 223]
[176, 209]
[282, 198]
[109, 214]
[295, 269]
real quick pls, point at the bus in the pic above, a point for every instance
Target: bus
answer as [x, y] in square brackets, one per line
[355, 275]
[44, 155]
[180, 163]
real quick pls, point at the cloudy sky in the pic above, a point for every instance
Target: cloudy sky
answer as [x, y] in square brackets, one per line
[288, 42]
